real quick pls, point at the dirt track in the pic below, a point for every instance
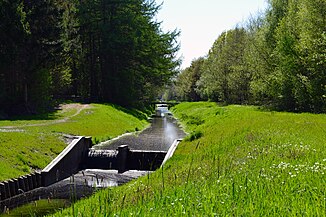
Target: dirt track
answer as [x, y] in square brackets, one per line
[79, 108]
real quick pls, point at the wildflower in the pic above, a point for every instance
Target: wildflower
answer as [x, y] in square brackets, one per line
[302, 190]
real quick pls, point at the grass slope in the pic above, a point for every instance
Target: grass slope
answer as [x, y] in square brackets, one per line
[38, 140]
[237, 161]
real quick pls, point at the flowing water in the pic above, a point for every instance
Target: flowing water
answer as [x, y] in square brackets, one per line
[159, 136]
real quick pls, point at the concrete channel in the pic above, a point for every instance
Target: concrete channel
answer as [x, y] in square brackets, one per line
[85, 168]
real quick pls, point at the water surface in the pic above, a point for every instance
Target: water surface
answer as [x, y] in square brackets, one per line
[158, 137]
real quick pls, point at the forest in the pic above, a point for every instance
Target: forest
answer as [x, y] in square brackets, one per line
[109, 51]
[277, 58]
[114, 51]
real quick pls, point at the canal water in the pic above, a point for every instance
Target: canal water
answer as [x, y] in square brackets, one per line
[159, 136]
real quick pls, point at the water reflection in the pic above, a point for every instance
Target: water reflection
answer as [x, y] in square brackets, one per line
[170, 133]
[159, 136]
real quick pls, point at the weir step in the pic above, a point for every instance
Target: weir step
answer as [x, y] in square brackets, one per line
[124, 159]
[102, 153]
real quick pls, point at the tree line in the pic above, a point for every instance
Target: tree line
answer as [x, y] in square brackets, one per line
[99, 50]
[277, 58]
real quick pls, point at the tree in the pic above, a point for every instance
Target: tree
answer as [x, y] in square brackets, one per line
[11, 31]
[292, 37]
[102, 50]
[226, 77]
[311, 46]
[29, 49]
[186, 85]
[277, 60]
[127, 58]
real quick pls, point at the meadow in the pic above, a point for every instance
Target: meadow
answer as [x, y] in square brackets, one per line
[236, 161]
[30, 143]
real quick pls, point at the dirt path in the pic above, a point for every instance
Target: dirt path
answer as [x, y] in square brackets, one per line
[79, 108]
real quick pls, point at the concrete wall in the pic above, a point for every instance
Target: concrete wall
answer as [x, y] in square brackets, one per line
[102, 159]
[124, 159]
[13, 187]
[171, 150]
[145, 160]
[68, 162]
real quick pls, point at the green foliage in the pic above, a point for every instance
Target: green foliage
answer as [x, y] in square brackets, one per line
[225, 75]
[106, 50]
[290, 83]
[30, 45]
[193, 136]
[126, 58]
[277, 60]
[248, 162]
[186, 85]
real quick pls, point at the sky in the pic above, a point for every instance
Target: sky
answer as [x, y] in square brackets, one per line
[201, 22]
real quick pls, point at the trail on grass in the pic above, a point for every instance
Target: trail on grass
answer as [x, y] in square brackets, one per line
[79, 108]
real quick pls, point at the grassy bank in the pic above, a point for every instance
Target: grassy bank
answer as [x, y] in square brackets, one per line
[237, 161]
[29, 143]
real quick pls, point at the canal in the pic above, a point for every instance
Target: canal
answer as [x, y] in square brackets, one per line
[159, 136]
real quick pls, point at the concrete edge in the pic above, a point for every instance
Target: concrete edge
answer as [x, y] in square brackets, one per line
[171, 151]
[56, 160]
[148, 151]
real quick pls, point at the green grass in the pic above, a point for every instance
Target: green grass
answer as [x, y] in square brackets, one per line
[22, 152]
[37, 208]
[21, 121]
[35, 146]
[102, 122]
[236, 161]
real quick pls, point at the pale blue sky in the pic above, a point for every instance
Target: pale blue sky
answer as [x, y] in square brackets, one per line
[201, 22]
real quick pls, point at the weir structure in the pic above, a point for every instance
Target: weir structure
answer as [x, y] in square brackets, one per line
[77, 156]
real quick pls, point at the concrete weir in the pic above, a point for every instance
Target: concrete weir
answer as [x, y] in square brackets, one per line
[79, 158]
[124, 159]
[83, 167]
[68, 162]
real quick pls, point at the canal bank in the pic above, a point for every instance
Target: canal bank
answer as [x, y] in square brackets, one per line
[155, 139]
